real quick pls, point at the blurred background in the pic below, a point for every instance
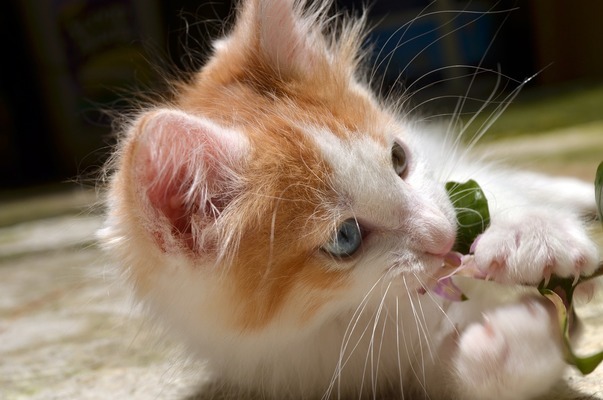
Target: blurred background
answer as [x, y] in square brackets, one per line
[71, 65]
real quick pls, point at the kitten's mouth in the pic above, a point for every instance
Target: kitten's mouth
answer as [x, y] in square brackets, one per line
[452, 264]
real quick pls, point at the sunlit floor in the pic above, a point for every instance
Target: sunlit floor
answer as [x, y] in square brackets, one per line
[68, 330]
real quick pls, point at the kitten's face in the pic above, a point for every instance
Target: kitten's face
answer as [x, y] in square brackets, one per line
[275, 190]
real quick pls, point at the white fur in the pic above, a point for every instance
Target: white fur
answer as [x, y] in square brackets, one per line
[380, 330]
[379, 334]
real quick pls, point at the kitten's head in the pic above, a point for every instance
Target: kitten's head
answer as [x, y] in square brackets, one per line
[274, 190]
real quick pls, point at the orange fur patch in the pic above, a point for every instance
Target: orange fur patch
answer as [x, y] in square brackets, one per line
[287, 220]
[284, 214]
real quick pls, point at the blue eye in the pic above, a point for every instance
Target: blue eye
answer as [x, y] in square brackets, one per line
[346, 241]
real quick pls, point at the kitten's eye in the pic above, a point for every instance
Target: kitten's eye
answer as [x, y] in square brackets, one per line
[346, 241]
[399, 159]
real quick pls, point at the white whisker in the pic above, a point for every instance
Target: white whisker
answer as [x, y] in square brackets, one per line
[437, 303]
[398, 327]
[369, 358]
[347, 336]
[411, 360]
[480, 15]
[375, 370]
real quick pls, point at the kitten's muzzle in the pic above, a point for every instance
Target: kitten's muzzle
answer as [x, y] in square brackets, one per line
[434, 233]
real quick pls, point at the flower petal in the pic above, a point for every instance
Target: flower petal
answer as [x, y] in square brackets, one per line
[446, 289]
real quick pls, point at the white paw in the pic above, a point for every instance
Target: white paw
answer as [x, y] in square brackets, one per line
[531, 247]
[514, 353]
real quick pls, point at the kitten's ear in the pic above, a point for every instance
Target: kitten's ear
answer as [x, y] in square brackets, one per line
[185, 172]
[288, 41]
[283, 37]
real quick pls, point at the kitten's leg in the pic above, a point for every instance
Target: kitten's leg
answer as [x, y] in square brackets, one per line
[529, 245]
[534, 233]
[513, 353]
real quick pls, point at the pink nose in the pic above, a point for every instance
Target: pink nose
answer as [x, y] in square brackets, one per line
[439, 246]
[434, 233]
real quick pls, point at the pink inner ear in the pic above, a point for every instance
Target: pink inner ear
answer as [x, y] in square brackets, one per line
[166, 197]
[162, 184]
[183, 165]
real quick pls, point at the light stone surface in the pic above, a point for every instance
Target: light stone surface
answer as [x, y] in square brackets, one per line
[68, 331]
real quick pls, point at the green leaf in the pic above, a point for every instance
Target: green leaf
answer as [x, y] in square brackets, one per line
[587, 364]
[599, 191]
[472, 214]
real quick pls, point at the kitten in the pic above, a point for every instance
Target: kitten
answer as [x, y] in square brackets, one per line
[282, 220]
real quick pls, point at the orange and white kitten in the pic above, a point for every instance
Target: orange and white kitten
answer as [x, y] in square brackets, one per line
[282, 219]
